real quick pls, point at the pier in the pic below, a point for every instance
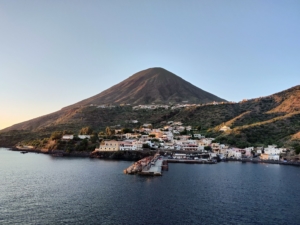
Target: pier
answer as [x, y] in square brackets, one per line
[149, 166]
[153, 166]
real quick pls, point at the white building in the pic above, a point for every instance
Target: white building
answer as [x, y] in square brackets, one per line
[168, 136]
[168, 145]
[127, 146]
[273, 157]
[272, 149]
[198, 136]
[177, 123]
[180, 128]
[234, 153]
[147, 125]
[248, 151]
[67, 137]
[207, 141]
[82, 137]
[138, 145]
[188, 128]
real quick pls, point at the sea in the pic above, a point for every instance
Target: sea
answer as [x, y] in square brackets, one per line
[41, 189]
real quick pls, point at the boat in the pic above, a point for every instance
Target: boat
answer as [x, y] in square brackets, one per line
[24, 152]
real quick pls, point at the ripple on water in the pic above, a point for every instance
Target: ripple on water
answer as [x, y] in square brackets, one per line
[38, 189]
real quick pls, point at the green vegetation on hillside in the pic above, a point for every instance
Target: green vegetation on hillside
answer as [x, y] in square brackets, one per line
[270, 120]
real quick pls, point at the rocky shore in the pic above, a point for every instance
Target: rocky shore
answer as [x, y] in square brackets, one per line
[117, 155]
[132, 155]
[123, 155]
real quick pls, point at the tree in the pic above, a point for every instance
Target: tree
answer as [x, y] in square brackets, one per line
[86, 131]
[126, 130]
[94, 138]
[108, 131]
[82, 146]
[192, 134]
[297, 149]
[146, 146]
[56, 135]
[76, 138]
[155, 140]
[207, 148]
[67, 132]
[184, 132]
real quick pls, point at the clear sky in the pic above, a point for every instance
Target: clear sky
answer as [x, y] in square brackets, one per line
[57, 52]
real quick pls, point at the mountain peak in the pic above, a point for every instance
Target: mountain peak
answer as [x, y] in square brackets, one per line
[154, 71]
[154, 85]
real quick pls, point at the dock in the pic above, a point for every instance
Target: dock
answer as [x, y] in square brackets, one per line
[154, 169]
[139, 165]
[149, 166]
[154, 165]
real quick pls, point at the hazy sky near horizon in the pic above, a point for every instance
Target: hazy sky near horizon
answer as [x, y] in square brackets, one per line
[56, 53]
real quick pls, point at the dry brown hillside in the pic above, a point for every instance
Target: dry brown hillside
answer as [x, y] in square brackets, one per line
[274, 119]
[154, 85]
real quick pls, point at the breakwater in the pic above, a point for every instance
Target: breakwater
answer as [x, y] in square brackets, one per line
[153, 166]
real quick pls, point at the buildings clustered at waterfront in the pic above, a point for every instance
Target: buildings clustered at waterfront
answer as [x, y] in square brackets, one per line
[170, 137]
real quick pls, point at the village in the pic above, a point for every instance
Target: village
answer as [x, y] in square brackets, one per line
[182, 141]
[184, 104]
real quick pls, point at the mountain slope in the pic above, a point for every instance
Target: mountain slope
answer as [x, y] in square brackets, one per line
[274, 119]
[154, 85]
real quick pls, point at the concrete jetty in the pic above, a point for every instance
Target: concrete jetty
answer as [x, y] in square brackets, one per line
[139, 165]
[151, 165]
[154, 169]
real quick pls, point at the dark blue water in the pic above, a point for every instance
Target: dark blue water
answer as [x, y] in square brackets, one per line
[39, 189]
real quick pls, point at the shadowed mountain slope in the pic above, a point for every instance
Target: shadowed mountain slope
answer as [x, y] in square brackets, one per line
[154, 85]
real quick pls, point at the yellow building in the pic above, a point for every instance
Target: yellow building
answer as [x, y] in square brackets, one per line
[109, 146]
[264, 156]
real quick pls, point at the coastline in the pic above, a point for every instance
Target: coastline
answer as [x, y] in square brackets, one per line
[114, 155]
[131, 156]
[263, 162]
[60, 153]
